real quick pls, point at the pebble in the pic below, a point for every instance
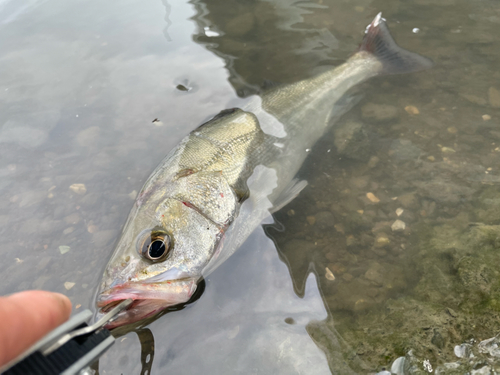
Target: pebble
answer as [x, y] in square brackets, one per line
[32, 198]
[372, 163]
[15, 131]
[474, 99]
[240, 25]
[372, 197]
[379, 112]
[431, 158]
[43, 263]
[494, 97]
[351, 241]
[486, 117]
[92, 228]
[361, 304]
[398, 225]
[89, 136]
[375, 274]
[104, 237]
[462, 351]
[68, 285]
[452, 312]
[359, 182]
[40, 282]
[408, 200]
[443, 191]
[403, 150]
[452, 130]
[447, 150]
[338, 268]
[324, 220]
[78, 188]
[339, 228]
[291, 212]
[233, 332]
[64, 249]
[91, 199]
[347, 277]
[74, 218]
[69, 230]
[382, 241]
[329, 274]
[398, 366]
[399, 211]
[412, 110]
[381, 226]
[352, 141]
[311, 220]
[437, 339]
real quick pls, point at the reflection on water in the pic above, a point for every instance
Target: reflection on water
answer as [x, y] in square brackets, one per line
[399, 223]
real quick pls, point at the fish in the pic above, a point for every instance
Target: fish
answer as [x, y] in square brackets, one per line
[227, 177]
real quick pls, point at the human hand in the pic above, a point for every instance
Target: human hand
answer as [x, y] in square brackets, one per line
[26, 317]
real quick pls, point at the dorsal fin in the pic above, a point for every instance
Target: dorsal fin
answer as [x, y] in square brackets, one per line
[224, 113]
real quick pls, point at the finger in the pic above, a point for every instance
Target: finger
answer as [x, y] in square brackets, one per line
[28, 316]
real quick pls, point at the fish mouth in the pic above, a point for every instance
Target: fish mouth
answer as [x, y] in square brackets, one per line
[148, 299]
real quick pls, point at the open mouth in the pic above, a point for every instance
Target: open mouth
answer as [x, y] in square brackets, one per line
[148, 299]
[111, 305]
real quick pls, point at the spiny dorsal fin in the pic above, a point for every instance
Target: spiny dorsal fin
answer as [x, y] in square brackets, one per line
[379, 42]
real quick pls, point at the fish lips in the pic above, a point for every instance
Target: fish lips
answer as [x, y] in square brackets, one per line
[148, 299]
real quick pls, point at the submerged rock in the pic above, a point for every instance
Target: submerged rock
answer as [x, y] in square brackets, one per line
[402, 150]
[352, 141]
[379, 112]
[443, 191]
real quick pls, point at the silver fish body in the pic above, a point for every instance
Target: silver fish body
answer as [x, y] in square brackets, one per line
[226, 177]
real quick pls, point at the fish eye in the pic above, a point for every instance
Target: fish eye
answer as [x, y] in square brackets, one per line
[156, 245]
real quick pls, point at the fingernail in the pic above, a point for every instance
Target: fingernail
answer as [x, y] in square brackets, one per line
[62, 300]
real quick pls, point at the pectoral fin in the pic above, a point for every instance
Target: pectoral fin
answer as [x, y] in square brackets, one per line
[288, 194]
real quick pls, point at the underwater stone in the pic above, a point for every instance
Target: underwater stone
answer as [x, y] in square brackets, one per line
[444, 191]
[402, 150]
[88, 137]
[104, 237]
[408, 200]
[398, 226]
[352, 141]
[494, 97]
[437, 339]
[240, 25]
[379, 112]
[324, 220]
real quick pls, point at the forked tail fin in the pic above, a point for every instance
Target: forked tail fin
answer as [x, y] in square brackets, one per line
[379, 42]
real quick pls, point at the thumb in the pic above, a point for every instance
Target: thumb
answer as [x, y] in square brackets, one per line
[26, 317]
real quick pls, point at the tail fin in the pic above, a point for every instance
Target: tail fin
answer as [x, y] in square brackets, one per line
[379, 42]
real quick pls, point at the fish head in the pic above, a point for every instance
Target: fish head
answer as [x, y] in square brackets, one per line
[158, 260]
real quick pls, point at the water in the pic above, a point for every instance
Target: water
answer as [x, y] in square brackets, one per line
[82, 84]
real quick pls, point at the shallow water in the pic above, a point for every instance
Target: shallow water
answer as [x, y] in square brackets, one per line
[81, 86]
